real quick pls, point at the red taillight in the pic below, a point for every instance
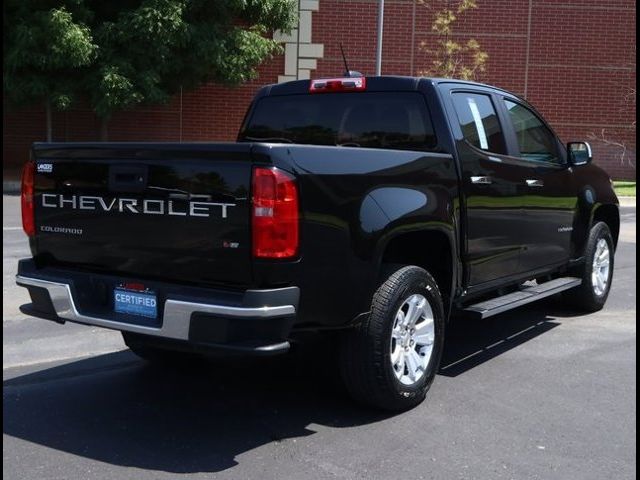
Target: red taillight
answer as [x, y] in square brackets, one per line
[275, 214]
[355, 84]
[27, 200]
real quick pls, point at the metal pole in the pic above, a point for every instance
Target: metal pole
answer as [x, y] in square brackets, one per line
[298, 45]
[380, 25]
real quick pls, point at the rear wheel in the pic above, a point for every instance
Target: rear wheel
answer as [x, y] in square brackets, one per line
[596, 272]
[390, 360]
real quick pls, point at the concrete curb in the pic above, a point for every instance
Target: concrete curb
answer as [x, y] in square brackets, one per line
[627, 201]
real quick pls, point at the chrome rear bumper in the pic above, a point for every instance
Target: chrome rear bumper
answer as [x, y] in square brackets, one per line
[177, 314]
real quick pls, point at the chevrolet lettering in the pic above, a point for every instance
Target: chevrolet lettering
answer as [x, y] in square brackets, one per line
[367, 211]
[134, 205]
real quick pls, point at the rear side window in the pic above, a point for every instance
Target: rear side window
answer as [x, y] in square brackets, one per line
[394, 120]
[535, 140]
[479, 121]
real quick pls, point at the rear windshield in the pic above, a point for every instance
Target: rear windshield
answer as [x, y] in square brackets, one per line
[395, 120]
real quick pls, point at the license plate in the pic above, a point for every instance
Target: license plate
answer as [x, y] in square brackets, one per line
[135, 303]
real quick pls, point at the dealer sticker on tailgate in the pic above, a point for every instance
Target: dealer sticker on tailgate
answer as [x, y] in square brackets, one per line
[135, 303]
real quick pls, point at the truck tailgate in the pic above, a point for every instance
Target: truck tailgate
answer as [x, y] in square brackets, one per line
[167, 211]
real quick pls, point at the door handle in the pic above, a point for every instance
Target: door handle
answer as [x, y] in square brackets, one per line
[535, 183]
[481, 180]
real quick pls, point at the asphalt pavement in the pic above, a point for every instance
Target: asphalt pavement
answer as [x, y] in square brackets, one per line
[541, 392]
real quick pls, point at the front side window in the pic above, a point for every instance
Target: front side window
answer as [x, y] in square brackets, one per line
[535, 140]
[394, 120]
[479, 122]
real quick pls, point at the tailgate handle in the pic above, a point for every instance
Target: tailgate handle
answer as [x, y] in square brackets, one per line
[127, 178]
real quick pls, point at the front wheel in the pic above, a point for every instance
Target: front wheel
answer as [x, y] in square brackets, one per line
[390, 360]
[596, 272]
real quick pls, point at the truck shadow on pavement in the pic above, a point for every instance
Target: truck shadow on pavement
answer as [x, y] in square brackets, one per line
[469, 343]
[200, 417]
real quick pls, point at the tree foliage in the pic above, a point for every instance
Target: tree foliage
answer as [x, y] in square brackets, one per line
[42, 49]
[625, 144]
[118, 54]
[450, 58]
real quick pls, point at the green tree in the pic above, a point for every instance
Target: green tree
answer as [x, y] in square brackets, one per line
[449, 58]
[148, 50]
[43, 48]
[121, 53]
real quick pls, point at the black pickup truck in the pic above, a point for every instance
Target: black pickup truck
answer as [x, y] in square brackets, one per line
[374, 207]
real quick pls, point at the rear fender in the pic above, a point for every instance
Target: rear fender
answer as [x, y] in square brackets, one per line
[414, 227]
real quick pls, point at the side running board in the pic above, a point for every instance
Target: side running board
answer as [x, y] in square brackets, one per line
[488, 308]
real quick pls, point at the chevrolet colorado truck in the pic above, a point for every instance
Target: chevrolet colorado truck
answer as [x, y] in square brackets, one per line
[375, 207]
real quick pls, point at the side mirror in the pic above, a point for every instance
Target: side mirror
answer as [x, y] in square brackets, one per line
[579, 153]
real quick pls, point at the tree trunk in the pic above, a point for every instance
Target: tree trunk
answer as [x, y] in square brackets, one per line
[104, 129]
[47, 109]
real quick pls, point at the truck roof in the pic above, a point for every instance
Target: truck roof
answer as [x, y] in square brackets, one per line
[374, 83]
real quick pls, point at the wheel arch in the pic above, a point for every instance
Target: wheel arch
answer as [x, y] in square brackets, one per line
[610, 215]
[431, 249]
[588, 214]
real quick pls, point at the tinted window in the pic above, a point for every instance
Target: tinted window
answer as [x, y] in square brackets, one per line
[535, 140]
[479, 122]
[375, 120]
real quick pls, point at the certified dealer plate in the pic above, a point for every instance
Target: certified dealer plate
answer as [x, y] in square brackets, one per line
[135, 303]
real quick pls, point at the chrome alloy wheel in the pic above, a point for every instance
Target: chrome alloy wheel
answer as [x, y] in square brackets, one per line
[412, 339]
[600, 268]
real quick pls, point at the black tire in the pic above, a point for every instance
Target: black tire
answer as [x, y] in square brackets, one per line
[138, 344]
[365, 350]
[585, 297]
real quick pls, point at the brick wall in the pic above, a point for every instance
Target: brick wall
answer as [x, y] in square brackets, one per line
[574, 60]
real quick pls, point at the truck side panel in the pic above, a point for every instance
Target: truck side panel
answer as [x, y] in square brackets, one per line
[354, 201]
